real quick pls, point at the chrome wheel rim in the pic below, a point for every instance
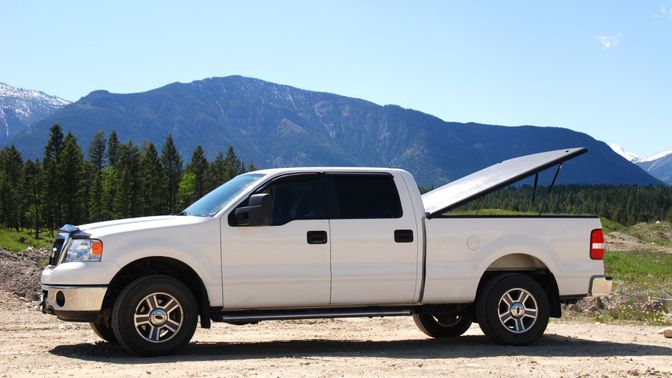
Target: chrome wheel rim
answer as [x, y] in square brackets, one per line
[158, 317]
[518, 310]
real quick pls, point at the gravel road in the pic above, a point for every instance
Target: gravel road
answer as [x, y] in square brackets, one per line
[32, 344]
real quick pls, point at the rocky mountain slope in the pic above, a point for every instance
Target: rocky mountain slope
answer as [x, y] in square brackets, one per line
[278, 125]
[20, 108]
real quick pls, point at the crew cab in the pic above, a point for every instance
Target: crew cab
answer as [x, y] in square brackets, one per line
[298, 243]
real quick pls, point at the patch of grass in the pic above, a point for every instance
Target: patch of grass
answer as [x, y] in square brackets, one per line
[16, 241]
[609, 225]
[642, 288]
[638, 267]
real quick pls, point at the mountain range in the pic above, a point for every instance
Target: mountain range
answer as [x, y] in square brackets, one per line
[278, 125]
[659, 165]
[19, 108]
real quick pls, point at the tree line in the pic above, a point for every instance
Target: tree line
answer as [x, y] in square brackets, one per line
[113, 180]
[626, 204]
[119, 180]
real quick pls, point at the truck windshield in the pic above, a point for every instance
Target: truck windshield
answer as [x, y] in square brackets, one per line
[211, 203]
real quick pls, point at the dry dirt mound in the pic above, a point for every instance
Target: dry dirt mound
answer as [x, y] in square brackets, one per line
[620, 242]
[20, 272]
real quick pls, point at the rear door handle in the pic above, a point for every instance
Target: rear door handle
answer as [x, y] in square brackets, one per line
[316, 237]
[403, 236]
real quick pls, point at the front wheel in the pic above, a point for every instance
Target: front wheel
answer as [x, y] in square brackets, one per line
[512, 309]
[442, 325]
[103, 331]
[155, 315]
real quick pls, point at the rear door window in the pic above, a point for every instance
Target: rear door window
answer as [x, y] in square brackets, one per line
[364, 196]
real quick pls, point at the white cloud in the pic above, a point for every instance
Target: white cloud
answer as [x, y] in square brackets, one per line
[609, 41]
[665, 12]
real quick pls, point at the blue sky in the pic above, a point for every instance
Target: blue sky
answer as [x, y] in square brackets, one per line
[603, 68]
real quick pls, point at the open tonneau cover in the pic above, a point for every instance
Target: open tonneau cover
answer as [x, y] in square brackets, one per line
[492, 178]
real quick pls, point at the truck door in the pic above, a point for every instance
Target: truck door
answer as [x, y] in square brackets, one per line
[374, 248]
[284, 264]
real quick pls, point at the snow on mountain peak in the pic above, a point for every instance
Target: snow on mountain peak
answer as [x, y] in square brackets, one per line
[629, 156]
[21, 107]
[656, 156]
[8, 91]
[633, 157]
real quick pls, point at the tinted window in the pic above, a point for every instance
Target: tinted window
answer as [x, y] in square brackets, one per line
[294, 197]
[365, 196]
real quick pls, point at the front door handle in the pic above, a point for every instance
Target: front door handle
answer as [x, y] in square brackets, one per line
[316, 237]
[403, 236]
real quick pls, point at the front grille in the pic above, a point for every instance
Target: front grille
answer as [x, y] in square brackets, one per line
[56, 250]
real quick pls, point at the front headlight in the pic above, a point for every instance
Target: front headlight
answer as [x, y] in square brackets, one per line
[84, 250]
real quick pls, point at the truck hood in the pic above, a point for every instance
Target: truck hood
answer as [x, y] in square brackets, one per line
[101, 229]
[492, 178]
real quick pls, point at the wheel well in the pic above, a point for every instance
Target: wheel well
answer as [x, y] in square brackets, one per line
[531, 266]
[163, 266]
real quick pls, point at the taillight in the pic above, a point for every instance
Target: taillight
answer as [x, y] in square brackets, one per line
[597, 244]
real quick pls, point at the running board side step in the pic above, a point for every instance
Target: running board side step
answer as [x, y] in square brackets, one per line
[257, 316]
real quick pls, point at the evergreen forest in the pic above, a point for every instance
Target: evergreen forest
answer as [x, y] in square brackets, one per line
[625, 204]
[112, 180]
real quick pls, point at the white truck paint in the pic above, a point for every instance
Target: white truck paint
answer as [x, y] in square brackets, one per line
[311, 248]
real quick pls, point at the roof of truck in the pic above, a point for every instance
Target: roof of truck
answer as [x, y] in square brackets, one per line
[329, 169]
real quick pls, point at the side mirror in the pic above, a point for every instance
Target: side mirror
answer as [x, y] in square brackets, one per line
[258, 212]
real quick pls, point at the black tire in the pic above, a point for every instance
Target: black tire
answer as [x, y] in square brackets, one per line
[154, 316]
[103, 331]
[442, 325]
[521, 304]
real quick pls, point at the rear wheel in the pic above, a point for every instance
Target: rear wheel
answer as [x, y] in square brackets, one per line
[442, 325]
[103, 331]
[155, 315]
[512, 309]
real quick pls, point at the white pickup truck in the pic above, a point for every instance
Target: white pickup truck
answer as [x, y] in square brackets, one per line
[302, 243]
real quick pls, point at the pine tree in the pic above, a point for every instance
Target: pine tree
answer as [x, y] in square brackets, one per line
[216, 172]
[11, 169]
[97, 150]
[110, 189]
[111, 179]
[96, 163]
[199, 168]
[128, 174]
[113, 149]
[53, 177]
[233, 165]
[31, 194]
[71, 166]
[171, 162]
[151, 179]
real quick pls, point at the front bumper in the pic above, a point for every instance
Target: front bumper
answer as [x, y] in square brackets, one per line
[600, 285]
[73, 303]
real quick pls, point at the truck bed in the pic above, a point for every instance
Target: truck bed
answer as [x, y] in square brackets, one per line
[461, 248]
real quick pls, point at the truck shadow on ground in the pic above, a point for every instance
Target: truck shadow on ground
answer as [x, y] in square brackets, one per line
[465, 346]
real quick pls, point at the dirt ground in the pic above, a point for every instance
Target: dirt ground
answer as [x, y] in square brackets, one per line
[33, 344]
